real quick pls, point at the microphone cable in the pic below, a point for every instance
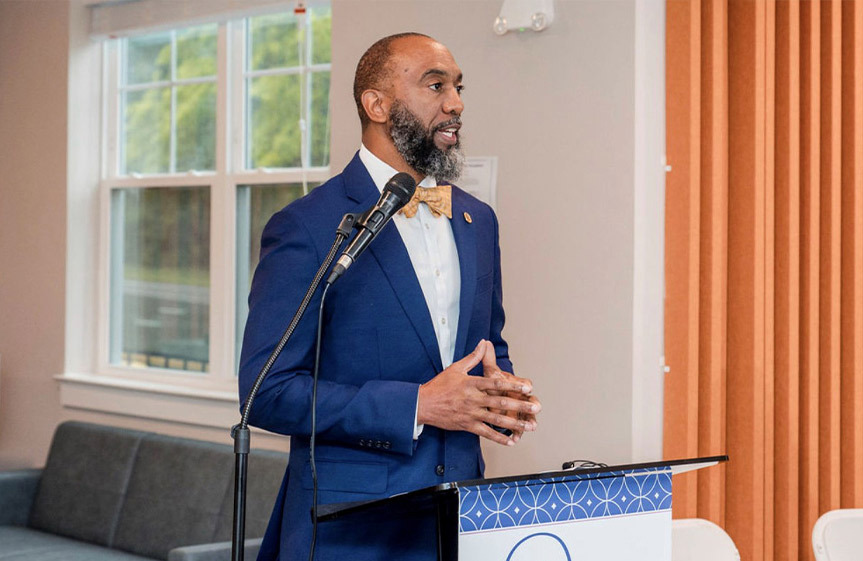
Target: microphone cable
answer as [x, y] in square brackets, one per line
[315, 423]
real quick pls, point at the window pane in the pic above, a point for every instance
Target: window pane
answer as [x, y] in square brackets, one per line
[196, 52]
[147, 131]
[320, 119]
[321, 18]
[274, 135]
[273, 42]
[255, 206]
[148, 58]
[160, 278]
[196, 127]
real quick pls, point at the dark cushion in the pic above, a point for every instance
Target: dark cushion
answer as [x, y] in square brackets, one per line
[84, 481]
[175, 495]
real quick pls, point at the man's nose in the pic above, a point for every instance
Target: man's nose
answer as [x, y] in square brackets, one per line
[452, 103]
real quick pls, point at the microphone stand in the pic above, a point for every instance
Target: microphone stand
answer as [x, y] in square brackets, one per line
[240, 432]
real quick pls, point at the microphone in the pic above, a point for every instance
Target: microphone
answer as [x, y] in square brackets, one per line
[396, 194]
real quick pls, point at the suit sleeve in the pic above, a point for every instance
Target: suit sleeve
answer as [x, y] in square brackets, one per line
[498, 318]
[374, 410]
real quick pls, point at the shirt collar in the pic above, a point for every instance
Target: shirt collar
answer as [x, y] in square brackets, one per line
[381, 171]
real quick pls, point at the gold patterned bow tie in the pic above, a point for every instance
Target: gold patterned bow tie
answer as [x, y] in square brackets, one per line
[438, 199]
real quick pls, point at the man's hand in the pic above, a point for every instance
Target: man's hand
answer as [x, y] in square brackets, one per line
[452, 400]
[490, 370]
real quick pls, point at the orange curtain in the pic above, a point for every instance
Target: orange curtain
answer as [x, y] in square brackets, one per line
[764, 264]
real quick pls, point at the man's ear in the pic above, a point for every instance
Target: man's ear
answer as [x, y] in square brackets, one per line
[376, 105]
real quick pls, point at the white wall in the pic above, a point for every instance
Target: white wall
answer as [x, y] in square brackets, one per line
[33, 74]
[572, 113]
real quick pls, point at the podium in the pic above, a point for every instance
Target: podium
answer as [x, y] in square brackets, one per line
[612, 513]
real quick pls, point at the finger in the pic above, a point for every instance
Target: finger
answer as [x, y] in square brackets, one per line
[510, 404]
[529, 421]
[528, 385]
[473, 358]
[530, 417]
[534, 400]
[492, 372]
[486, 431]
[503, 384]
[523, 381]
[496, 375]
[512, 376]
[516, 435]
[489, 360]
[506, 422]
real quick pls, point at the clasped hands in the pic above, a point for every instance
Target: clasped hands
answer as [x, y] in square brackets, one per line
[453, 400]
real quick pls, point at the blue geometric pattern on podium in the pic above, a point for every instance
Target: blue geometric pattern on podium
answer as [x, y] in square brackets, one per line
[561, 499]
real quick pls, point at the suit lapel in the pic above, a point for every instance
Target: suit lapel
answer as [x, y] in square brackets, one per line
[391, 254]
[465, 241]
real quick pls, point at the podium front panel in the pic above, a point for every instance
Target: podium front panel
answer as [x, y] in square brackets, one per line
[612, 516]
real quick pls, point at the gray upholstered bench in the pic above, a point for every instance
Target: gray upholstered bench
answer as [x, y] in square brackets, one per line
[108, 493]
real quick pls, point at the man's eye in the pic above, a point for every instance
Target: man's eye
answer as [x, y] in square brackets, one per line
[459, 88]
[436, 86]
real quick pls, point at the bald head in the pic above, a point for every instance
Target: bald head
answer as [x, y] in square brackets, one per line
[375, 67]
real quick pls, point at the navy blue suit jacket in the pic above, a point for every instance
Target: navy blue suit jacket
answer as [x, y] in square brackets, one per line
[378, 346]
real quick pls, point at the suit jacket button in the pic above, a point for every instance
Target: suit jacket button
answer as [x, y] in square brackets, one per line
[439, 469]
[378, 443]
[387, 445]
[362, 442]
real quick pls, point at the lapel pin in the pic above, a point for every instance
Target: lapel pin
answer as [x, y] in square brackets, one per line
[467, 218]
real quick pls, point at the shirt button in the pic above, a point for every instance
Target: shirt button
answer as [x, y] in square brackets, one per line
[443, 321]
[439, 469]
[427, 227]
[437, 272]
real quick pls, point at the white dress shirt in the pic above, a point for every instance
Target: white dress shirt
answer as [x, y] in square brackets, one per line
[431, 247]
[433, 254]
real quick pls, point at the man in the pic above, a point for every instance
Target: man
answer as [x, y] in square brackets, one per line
[396, 410]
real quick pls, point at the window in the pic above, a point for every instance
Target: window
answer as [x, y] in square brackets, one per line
[167, 99]
[210, 129]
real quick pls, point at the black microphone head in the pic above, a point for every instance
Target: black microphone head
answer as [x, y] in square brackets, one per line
[402, 186]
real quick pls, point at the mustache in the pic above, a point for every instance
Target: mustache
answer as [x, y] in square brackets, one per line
[454, 121]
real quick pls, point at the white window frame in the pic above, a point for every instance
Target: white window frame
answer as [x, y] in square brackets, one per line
[210, 398]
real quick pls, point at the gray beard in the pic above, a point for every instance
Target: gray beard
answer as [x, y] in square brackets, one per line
[416, 145]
